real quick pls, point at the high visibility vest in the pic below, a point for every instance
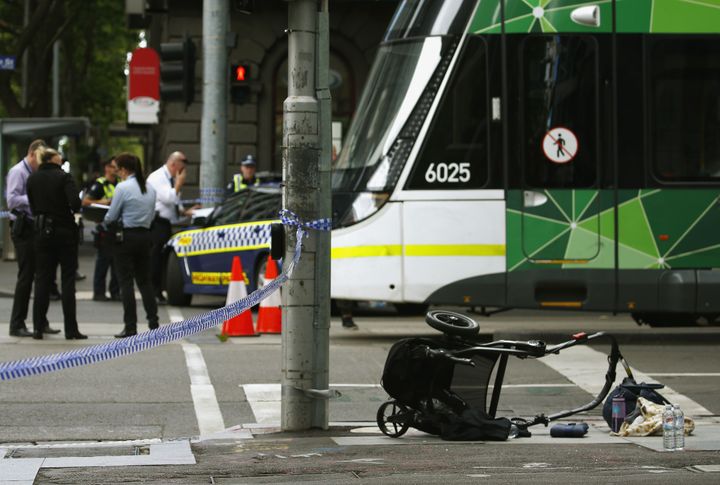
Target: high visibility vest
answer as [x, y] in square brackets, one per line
[108, 187]
[239, 184]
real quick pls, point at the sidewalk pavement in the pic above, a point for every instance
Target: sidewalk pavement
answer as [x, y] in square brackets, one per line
[345, 453]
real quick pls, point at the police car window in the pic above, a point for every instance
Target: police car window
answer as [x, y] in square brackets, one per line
[229, 211]
[262, 206]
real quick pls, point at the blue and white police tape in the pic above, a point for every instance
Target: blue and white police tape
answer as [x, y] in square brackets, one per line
[289, 218]
[152, 338]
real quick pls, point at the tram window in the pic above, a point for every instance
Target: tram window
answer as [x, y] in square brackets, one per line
[560, 90]
[685, 108]
[455, 152]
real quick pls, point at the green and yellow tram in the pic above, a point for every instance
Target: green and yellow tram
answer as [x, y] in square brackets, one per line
[537, 154]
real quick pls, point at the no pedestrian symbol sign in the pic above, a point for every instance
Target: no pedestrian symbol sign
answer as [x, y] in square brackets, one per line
[560, 145]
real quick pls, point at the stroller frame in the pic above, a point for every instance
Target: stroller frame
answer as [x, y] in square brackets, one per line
[396, 416]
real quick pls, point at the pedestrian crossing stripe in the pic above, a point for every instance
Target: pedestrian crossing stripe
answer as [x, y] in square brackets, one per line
[220, 239]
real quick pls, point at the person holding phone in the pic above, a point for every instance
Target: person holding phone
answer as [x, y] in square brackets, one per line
[167, 181]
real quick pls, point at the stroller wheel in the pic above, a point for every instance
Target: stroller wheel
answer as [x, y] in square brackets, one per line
[452, 323]
[393, 419]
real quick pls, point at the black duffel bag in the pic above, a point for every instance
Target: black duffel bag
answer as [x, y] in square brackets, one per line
[631, 390]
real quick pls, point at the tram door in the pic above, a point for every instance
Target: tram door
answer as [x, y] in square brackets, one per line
[560, 197]
[560, 139]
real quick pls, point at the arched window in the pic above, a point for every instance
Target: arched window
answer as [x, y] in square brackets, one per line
[342, 90]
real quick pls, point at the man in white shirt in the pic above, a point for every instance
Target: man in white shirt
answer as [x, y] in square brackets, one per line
[167, 182]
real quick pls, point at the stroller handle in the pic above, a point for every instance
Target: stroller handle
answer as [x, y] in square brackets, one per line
[614, 357]
[446, 355]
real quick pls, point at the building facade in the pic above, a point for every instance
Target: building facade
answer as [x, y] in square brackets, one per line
[255, 127]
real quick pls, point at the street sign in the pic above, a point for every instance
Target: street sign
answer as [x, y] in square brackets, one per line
[7, 63]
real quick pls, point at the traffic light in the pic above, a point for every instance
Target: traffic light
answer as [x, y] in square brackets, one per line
[177, 71]
[240, 85]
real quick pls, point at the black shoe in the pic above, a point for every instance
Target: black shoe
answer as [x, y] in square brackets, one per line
[21, 332]
[153, 325]
[100, 298]
[75, 336]
[79, 276]
[37, 335]
[116, 297]
[50, 330]
[347, 323]
[126, 333]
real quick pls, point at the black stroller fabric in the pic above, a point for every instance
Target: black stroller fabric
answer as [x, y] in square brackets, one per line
[425, 384]
[475, 425]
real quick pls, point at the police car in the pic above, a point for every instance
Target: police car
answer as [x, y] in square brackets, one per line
[199, 260]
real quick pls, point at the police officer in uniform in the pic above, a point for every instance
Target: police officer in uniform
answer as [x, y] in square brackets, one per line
[53, 197]
[246, 177]
[101, 192]
[133, 206]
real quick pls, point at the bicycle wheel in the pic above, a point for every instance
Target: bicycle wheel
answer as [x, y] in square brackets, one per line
[452, 323]
[393, 419]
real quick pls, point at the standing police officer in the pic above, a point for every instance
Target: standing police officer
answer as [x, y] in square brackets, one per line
[133, 206]
[101, 192]
[246, 177]
[53, 197]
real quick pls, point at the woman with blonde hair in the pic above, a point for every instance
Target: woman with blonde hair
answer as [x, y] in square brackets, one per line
[53, 196]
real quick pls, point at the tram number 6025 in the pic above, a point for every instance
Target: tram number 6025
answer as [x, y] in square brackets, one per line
[448, 173]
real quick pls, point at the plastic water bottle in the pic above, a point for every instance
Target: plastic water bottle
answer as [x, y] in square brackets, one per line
[668, 420]
[514, 432]
[679, 418]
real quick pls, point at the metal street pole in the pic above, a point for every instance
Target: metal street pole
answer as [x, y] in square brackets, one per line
[56, 79]
[213, 129]
[306, 304]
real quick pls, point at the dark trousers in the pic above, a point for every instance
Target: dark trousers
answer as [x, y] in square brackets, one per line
[25, 254]
[132, 260]
[103, 263]
[161, 231]
[62, 248]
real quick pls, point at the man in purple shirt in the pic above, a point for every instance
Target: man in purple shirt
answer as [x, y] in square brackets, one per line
[22, 235]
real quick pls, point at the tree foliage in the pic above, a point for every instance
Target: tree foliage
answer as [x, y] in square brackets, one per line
[95, 41]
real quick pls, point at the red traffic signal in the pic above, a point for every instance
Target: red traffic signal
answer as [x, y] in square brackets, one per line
[240, 73]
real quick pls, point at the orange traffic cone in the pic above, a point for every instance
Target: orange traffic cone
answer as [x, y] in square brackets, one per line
[270, 315]
[239, 325]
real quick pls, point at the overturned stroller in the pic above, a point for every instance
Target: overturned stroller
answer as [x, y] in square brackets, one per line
[441, 385]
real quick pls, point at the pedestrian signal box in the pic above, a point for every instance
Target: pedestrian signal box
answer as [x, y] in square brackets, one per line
[240, 88]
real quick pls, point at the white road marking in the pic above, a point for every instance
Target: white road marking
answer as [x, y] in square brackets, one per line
[264, 399]
[207, 409]
[586, 367]
[684, 374]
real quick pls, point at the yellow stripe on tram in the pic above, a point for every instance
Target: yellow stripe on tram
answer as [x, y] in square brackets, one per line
[419, 250]
[366, 251]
